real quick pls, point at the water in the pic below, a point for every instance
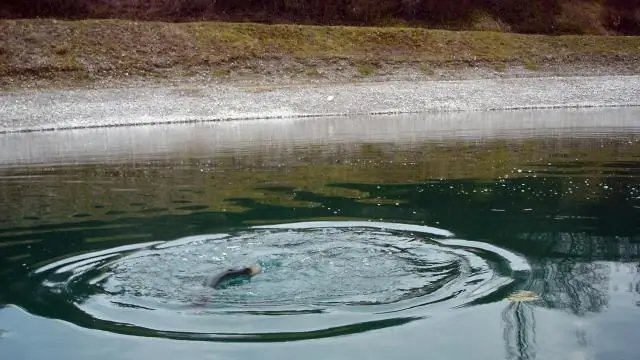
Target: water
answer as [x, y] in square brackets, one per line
[455, 242]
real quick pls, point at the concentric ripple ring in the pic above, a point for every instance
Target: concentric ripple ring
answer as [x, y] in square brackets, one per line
[319, 279]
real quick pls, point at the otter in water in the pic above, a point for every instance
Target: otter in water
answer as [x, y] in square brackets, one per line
[233, 273]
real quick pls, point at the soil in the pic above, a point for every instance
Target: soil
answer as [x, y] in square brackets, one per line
[45, 54]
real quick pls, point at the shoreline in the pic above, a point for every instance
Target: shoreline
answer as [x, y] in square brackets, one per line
[38, 110]
[200, 140]
[57, 75]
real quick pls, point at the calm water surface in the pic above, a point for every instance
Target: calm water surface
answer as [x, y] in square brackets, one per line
[399, 245]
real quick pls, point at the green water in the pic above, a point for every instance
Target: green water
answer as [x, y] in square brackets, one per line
[409, 249]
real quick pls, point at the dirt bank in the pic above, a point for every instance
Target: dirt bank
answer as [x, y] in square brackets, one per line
[44, 53]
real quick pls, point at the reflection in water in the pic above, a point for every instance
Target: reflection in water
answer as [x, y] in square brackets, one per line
[570, 207]
[574, 280]
[576, 274]
[519, 331]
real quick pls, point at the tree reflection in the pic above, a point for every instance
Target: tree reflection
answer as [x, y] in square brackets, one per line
[575, 277]
[519, 332]
[575, 274]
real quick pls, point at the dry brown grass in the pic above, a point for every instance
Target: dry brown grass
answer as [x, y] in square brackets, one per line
[95, 48]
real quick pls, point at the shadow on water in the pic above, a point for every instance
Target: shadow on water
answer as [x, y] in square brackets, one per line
[570, 207]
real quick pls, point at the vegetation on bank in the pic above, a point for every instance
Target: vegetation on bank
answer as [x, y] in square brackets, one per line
[90, 49]
[526, 16]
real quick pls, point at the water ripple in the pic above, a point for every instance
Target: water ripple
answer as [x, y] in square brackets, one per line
[319, 279]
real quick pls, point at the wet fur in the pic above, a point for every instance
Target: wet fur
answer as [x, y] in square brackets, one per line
[230, 273]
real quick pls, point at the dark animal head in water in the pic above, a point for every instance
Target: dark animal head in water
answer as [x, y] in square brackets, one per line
[230, 274]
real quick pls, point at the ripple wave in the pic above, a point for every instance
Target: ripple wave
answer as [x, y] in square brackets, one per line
[319, 279]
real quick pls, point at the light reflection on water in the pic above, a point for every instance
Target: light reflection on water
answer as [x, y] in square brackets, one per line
[552, 210]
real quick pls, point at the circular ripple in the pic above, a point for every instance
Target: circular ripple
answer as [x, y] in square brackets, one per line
[328, 278]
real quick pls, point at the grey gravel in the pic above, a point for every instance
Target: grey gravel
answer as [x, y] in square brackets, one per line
[86, 108]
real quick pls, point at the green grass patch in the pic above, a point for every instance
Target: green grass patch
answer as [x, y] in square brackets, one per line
[531, 64]
[367, 68]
